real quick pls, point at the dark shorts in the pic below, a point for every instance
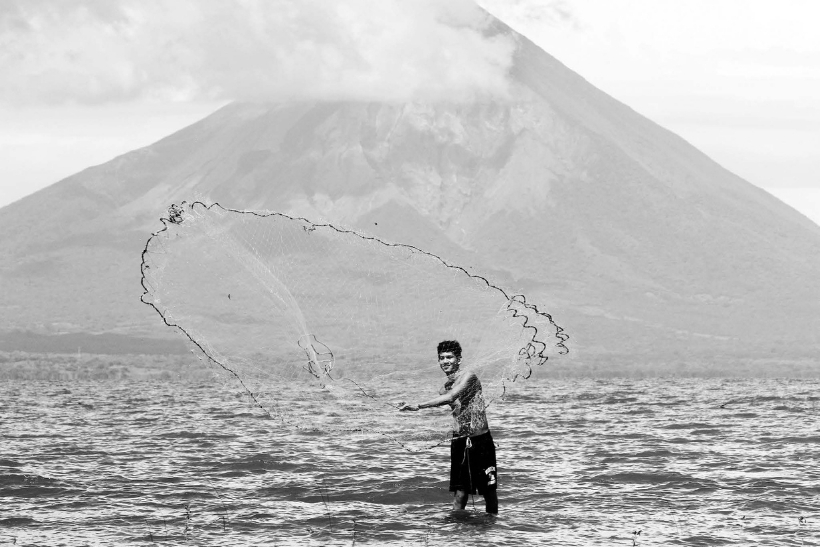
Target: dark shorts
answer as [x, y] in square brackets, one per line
[473, 468]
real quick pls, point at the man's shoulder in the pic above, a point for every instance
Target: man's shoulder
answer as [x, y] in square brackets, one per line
[471, 376]
[468, 378]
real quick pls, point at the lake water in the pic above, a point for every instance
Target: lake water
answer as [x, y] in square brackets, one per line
[581, 462]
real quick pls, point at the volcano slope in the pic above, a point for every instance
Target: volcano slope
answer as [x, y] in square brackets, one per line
[633, 239]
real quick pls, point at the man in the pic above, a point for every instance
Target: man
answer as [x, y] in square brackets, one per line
[472, 452]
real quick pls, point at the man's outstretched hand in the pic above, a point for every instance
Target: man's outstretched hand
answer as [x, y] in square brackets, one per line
[405, 407]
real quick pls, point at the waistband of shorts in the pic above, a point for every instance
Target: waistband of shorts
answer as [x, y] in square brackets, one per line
[481, 437]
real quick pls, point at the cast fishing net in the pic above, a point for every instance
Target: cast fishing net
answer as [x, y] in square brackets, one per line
[328, 329]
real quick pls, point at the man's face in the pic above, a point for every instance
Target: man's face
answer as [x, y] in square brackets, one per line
[448, 362]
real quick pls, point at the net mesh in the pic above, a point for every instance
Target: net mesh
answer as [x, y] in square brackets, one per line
[349, 322]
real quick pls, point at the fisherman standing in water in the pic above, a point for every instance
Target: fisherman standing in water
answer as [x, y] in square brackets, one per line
[472, 452]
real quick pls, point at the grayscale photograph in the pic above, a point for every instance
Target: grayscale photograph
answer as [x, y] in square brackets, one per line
[409, 273]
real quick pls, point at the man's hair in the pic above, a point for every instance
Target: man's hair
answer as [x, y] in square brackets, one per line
[450, 345]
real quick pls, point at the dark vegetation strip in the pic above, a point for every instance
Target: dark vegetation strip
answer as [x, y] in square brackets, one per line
[80, 342]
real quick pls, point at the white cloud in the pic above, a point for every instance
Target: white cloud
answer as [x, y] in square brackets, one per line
[92, 51]
[532, 12]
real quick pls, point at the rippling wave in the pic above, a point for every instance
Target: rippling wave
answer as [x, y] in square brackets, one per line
[581, 462]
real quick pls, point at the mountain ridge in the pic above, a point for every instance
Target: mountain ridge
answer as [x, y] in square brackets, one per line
[615, 223]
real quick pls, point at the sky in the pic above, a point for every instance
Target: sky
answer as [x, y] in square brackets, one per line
[87, 80]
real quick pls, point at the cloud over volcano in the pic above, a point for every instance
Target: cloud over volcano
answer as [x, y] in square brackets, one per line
[93, 51]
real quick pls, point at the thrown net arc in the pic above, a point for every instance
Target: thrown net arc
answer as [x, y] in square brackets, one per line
[281, 303]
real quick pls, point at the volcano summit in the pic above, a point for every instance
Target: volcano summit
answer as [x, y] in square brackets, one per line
[633, 239]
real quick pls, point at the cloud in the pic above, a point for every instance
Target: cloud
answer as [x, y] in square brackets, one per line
[544, 13]
[93, 51]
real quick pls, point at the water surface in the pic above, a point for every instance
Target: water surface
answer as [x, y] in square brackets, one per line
[581, 462]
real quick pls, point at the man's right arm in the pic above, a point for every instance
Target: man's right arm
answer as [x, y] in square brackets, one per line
[446, 396]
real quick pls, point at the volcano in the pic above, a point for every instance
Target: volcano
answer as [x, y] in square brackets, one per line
[633, 239]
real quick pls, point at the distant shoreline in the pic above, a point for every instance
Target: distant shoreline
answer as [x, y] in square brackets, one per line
[55, 366]
[84, 342]
[25, 366]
